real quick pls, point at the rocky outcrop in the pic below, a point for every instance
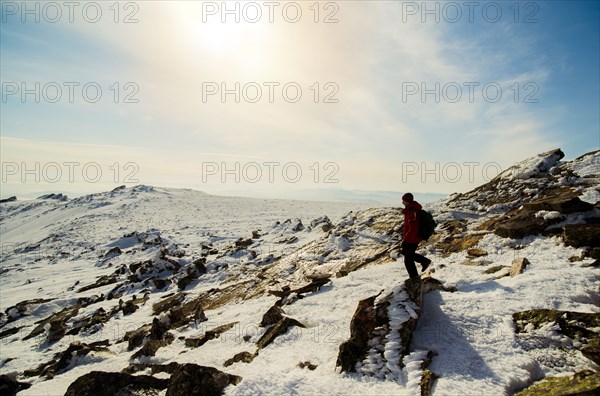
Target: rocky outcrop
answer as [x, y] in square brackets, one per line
[518, 266]
[580, 235]
[245, 357]
[380, 332]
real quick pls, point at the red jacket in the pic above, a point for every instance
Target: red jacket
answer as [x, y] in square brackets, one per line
[410, 233]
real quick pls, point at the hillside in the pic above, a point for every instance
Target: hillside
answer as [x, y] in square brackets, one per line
[163, 291]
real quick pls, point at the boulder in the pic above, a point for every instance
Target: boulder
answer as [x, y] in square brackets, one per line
[194, 380]
[100, 383]
[9, 386]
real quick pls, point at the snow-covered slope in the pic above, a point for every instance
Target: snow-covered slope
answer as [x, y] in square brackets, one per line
[144, 276]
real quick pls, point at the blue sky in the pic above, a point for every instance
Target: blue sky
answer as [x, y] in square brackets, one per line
[376, 137]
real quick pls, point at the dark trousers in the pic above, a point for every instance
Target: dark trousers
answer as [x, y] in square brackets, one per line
[410, 256]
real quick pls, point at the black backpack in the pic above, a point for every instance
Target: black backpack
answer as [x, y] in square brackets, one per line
[426, 224]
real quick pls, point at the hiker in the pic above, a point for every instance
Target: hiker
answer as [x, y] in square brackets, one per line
[411, 238]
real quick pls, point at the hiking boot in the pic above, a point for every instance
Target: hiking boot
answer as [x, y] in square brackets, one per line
[425, 265]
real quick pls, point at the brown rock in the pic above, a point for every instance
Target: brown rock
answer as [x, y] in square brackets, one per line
[518, 266]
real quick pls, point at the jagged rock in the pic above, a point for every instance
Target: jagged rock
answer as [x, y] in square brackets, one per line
[9, 199]
[153, 345]
[194, 380]
[56, 321]
[278, 329]
[9, 332]
[62, 360]
[583, 383]
[580, 235]
[102, 281]
[127, 307]
[371, 321]
[256, 234]
[100, 316]
[158, 329]
[136, 337]
[245, 357]
[307, 364]
[22, 308]
[167, 303]
[99, 383]
[160, 283]
[113, 252]
[243, 243]
[272, 316]
[209, 335]
[10, 387]
[200, 265]
[363, 323]
[518, 266]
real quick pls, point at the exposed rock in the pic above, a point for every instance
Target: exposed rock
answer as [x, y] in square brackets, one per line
[9, 199]
[22, 309]
[167, 303]
[136, 337]
[278, 329]
[99, 383]
[58, 197]
[99, 317]
[62, 360]
[194, 380]
[160, 283]
[428, 378]
[583, 383]
[209, 335]
[579, 326]
[102, 281]
[57, 323]
[518, 266]
[245, 357]
[476, 253]
[272, 316]
[307, 364]
[9, 332]
[579, 235]
[200, 265]
[494, 269]
[371, 324]
[113, 252]
[256, 234]
[10, 386]
[592, 350]
[152, 345]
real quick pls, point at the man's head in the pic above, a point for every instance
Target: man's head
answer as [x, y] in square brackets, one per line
[407, 198]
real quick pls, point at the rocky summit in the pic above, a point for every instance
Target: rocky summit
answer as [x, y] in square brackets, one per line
[148, 290]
